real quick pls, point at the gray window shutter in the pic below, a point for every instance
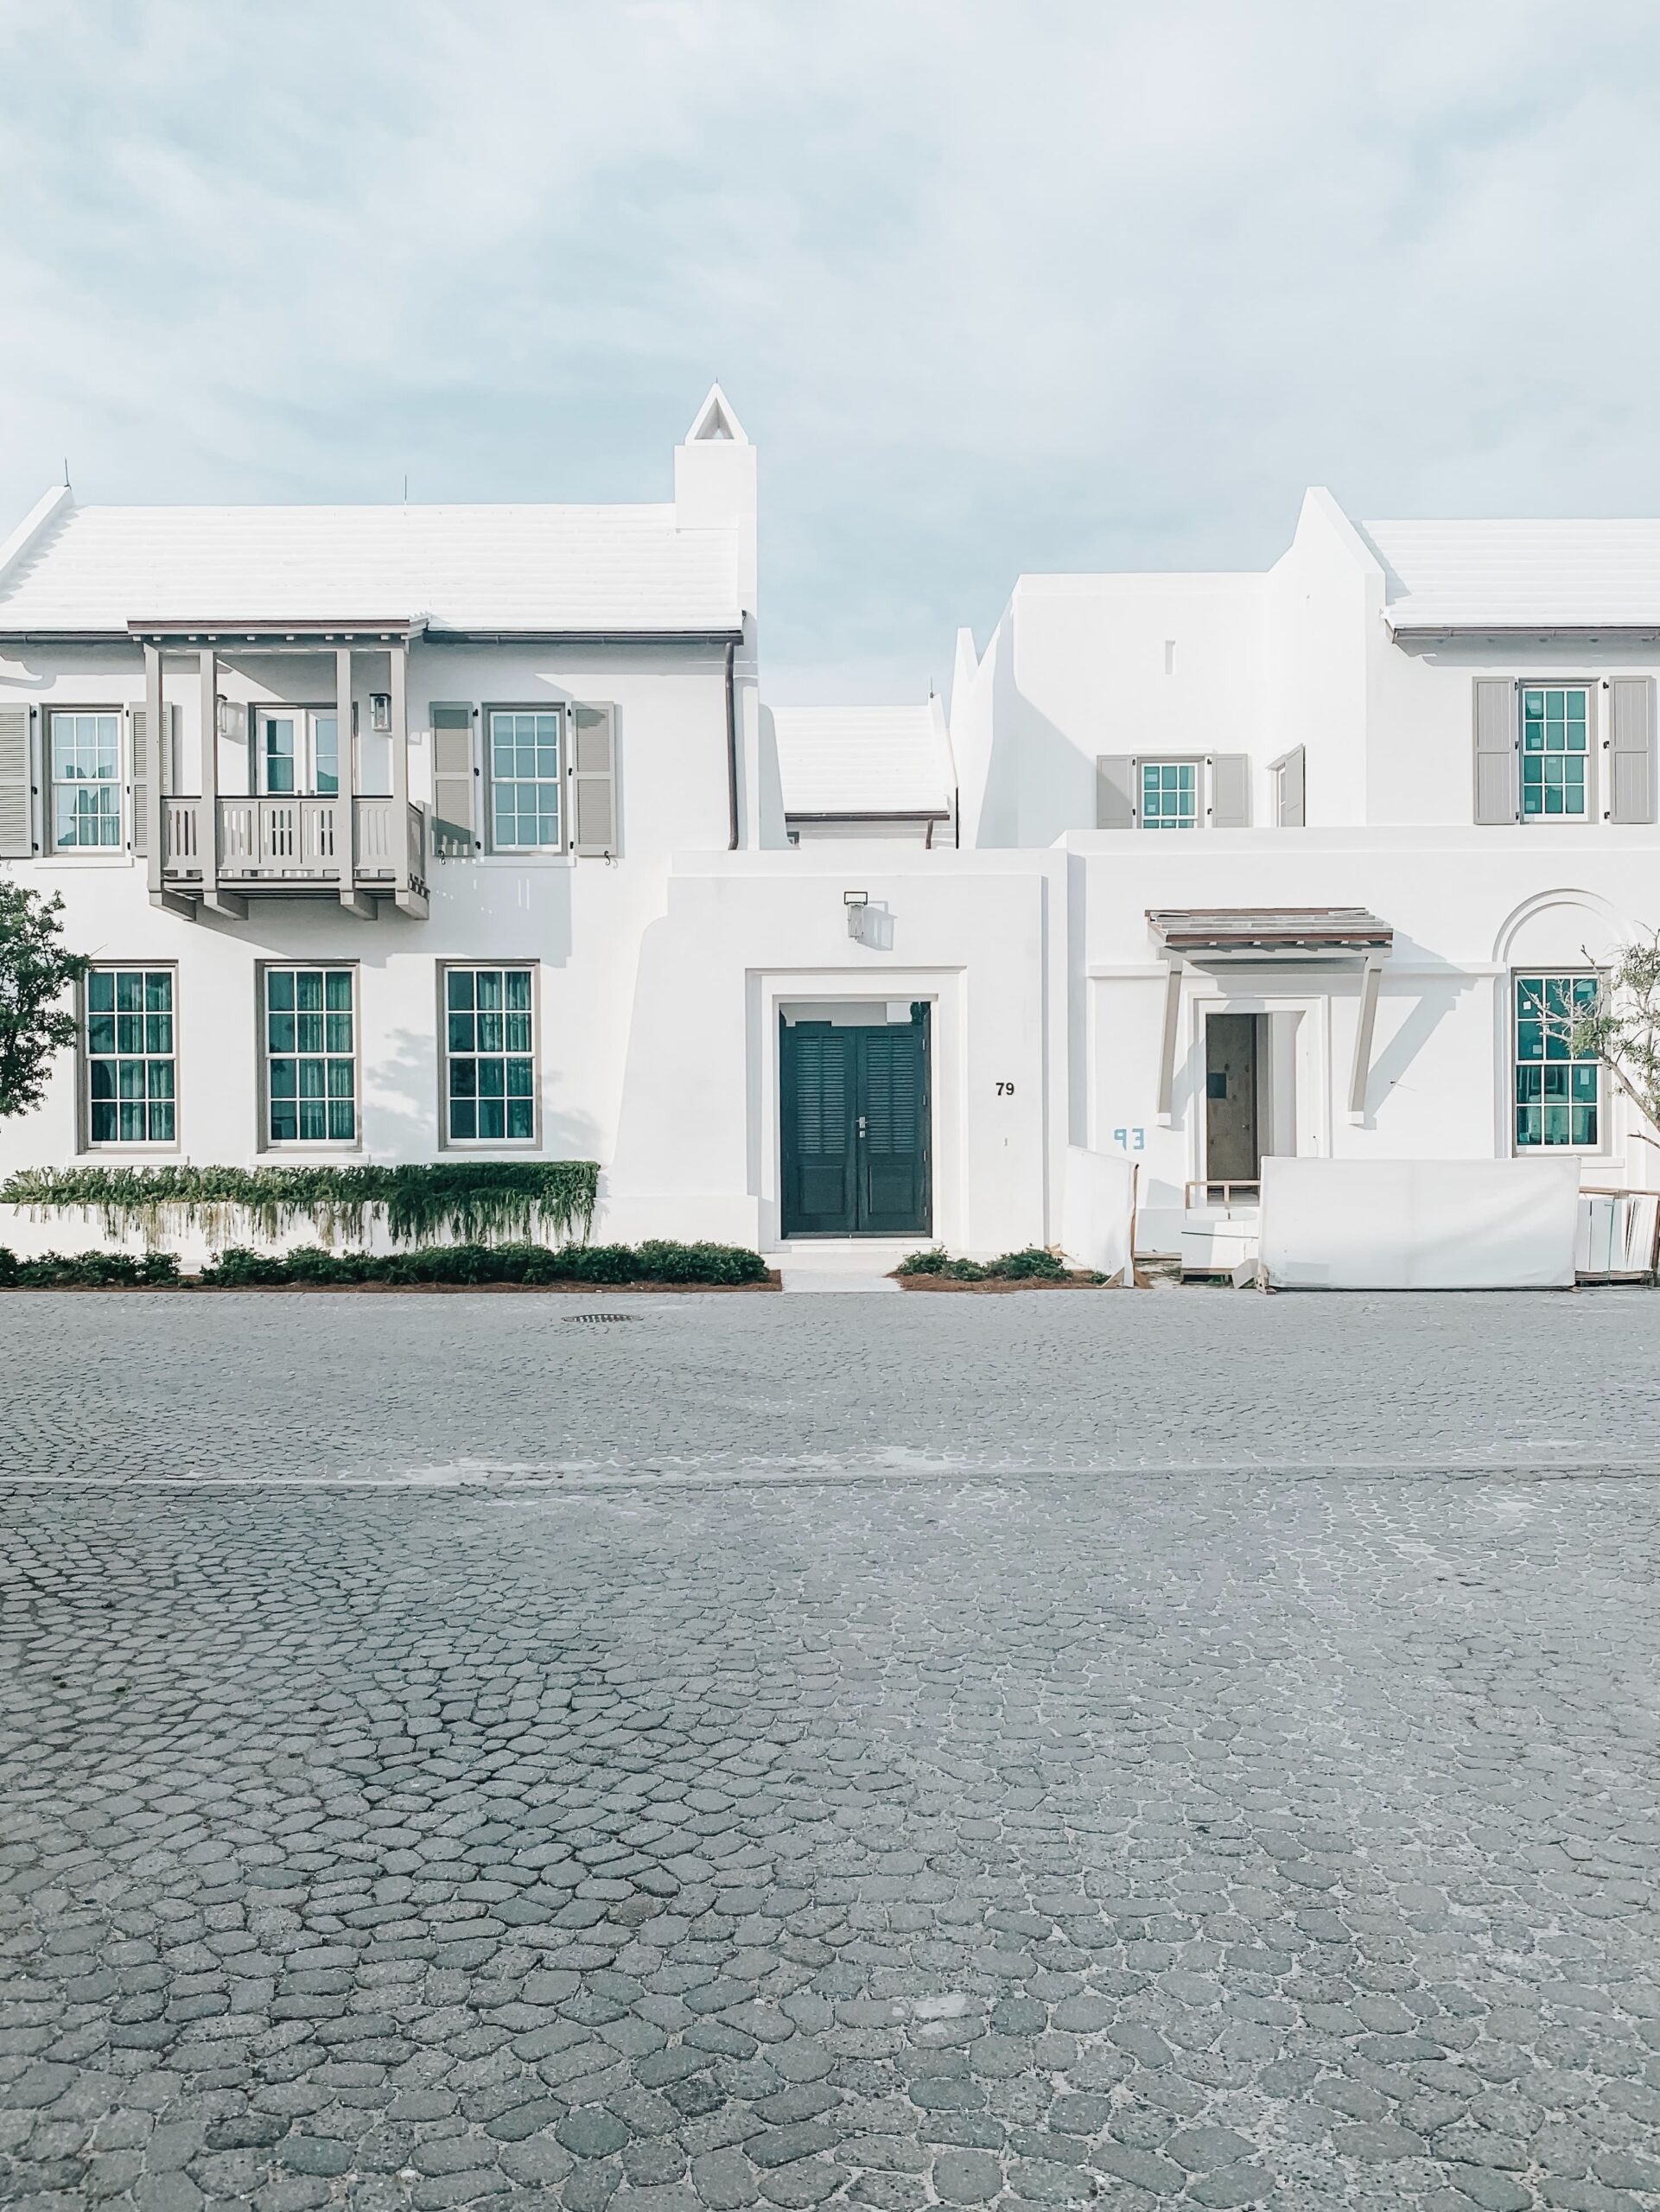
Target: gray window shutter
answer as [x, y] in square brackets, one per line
[593, 779]
[454, 784]
[1230, 790]
[1631, 749]
[1495, 766]
[1115, 791]
[141, 768]
[17, 786]
[1294, 776]
[136, 793]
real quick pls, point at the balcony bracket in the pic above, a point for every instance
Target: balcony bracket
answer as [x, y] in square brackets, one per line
[231, 904]
[359, 903]
[413, 901]
[171, 902]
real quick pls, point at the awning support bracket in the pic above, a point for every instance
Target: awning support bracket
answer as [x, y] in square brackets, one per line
[1365, 1022]
[1172, 1026]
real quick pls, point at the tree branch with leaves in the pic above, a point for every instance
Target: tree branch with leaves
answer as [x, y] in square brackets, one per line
[1620, 1026]
[36, 969]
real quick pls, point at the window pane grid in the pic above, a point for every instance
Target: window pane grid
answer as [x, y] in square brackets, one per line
[524, 778]
[1555, 749]
[310, 1056]
[1169, 794]
[489, 1056]
[1557, 1094]
[86, 780]
[132, 1077]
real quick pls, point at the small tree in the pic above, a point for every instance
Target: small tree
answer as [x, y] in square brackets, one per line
[1620, 1026]
[35, 970]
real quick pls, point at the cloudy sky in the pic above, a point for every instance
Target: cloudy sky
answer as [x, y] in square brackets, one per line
[995, 284]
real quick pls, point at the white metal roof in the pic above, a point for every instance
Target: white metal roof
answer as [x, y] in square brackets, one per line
[1520, 575]
[871, 760]
[463, 567]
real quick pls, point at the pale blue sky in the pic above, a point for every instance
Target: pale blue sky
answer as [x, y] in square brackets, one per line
[995, 284]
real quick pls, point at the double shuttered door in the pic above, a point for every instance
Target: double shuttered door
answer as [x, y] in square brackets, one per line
[856, 1127]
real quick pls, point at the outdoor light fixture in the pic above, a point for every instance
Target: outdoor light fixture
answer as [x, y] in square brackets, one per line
[380, 710]
[228, 717]
[857, 903]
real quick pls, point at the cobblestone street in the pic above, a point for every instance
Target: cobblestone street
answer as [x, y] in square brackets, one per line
[1191, 1750]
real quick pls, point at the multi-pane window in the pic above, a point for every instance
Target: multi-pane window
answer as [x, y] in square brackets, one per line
[525, 766]
[86, 780]
[1555, 750]
[1557, 1087]
[310, 1056]
[131, 1073]
[489, 1055]
[1169, 794]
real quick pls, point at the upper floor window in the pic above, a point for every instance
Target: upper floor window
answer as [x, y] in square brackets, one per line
[1558, 1090]
[525, 751]
[86, 780]
[1555, 750]
[1170, 794]
[132, 1068]
[310, 1044]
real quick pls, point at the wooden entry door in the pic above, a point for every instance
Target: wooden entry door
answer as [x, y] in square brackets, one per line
[1233, 1147]
[854, 1115]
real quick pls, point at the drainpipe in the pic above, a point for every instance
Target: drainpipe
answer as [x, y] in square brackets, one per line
[731, 753]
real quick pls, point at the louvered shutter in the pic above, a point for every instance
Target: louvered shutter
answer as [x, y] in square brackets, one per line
[136, 791]
[1631, 749]
[17, 786]
[594, 779]
[1230, 790]
[141, 768]
[1115, 791]
[1293, 789]
[1495, 756]
[455, 784]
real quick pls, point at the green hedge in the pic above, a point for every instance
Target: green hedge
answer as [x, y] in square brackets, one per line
[486, 1263]
[71, 1270]
[1032, 1265]
[238, 1268]
[472, 1201]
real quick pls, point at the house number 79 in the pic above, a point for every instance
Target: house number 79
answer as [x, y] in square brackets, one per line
[1005, 1091]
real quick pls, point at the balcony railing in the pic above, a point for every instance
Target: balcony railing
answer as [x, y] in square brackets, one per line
[296, 844]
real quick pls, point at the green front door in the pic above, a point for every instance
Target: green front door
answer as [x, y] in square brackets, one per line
[855, 1104]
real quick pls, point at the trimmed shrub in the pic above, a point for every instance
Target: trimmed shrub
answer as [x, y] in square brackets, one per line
[1032, 1265]
[238, 1268]
[94, 1270]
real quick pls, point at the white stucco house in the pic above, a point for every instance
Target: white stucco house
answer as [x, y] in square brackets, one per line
[409, 833]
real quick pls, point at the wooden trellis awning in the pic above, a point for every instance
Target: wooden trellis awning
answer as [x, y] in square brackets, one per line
[1193, 932]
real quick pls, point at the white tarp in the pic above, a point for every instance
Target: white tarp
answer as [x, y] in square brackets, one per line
[1420, 1224]
[1097, 1209]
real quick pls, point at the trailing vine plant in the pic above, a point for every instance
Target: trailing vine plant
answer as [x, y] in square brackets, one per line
[469, 1202]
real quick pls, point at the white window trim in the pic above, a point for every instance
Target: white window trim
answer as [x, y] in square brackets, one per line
[489, 1145]
[104, 1147]
[306, 715]
[1607, 1089]
[312, 1148]
[1200, 764]
[488, 709]
[121, 848]
[1595, 744]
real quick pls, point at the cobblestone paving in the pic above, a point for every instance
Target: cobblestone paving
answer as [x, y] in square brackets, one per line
[1001, 1830]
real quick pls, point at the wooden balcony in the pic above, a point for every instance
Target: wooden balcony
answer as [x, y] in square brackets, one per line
[295, 846]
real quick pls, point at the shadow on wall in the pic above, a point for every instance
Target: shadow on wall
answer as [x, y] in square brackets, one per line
[403, 1107]
[524, 913]
[1039, 784]
[1437, 997]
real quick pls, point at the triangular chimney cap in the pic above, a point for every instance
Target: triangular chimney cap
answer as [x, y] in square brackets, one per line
[716, 422]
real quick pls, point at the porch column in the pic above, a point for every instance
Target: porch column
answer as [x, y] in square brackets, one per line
[1365, 1021]
[207, 783]
[345, 830]
[397, 685]
[1171, 1029]
[155, 748]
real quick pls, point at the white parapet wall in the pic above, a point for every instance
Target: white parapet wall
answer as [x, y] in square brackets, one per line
[1420, 1224]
